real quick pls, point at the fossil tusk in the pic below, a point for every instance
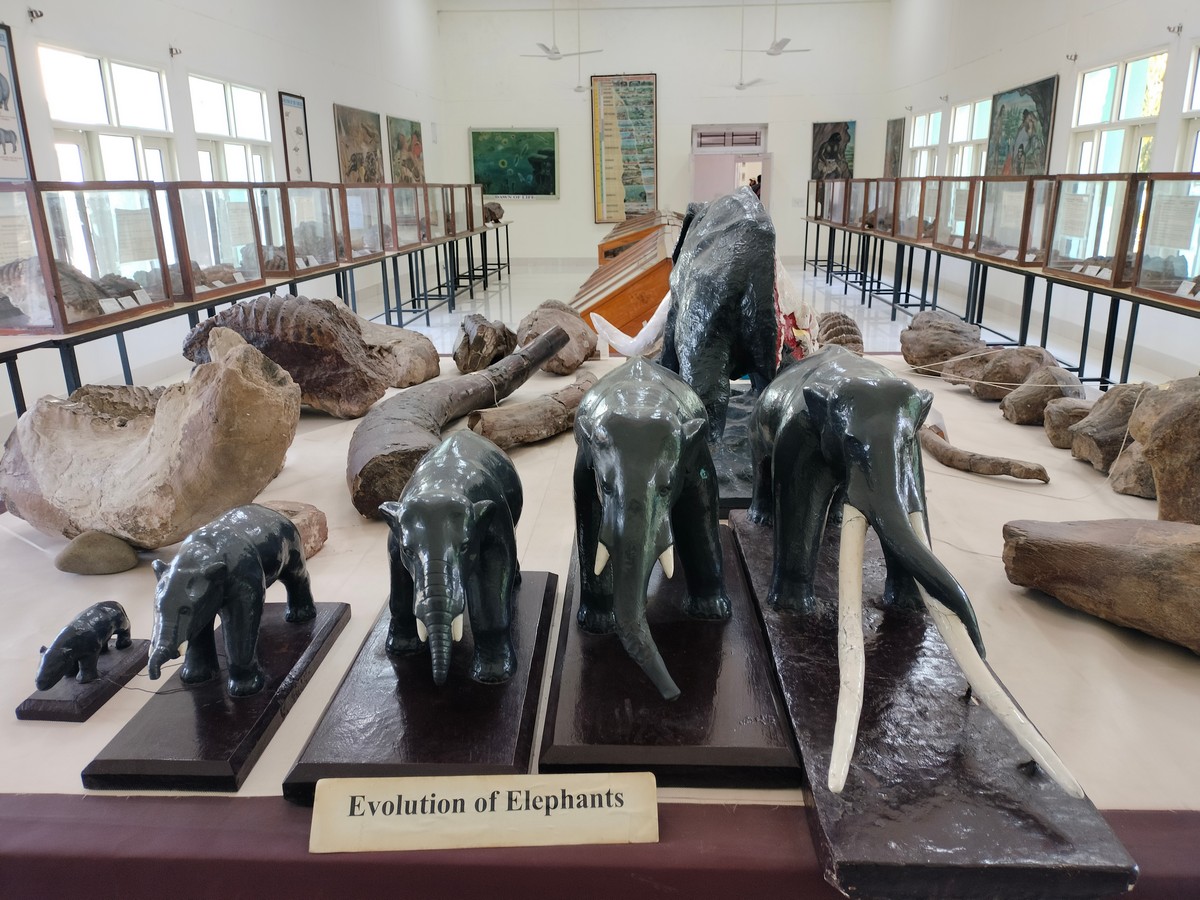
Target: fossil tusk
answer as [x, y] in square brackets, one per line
[668, 561]
[456, 628]
[601, 557]
[851, 650]
[986, 687]
[422, 633]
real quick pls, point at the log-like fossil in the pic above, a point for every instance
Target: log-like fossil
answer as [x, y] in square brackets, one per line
[525, 423]
[947, 454]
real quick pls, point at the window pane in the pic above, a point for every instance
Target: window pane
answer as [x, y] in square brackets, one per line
[119, 157]
[139, 97]
[1111, 144]
[155, 170]
[960, 123]
[74, 90]
[236, 168]
[935, 128]
[248, 114]
[918, 132]
[206, 166]
[256, 165]
[70, 162]
[983, 120]
[1142, 95]
[1196, 152]
[1096, 96]
[964, 161]
[1085, 157]
[208, 106]
[1145, 146]
[1195, 104]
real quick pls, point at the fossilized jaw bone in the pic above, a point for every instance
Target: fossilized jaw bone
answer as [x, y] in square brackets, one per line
[667, 558]
[851, 650]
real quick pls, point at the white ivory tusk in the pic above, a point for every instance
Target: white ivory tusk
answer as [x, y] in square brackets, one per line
[456, 628]
[851, 649]
[601, 557]
[986, 687]
[668, 561]
[640, 342]
[422, 633]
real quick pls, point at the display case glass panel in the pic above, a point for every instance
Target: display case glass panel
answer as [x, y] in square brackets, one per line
[408, 206]
[476, 193]
[1013, 218]
[272, 232]
[1169, 262]
[432, 214]
[835, 201]
[1096, 227]
[26, 287]
[814, 197]
[856, 206]
[885, 205]
[216, 229]
[363, 216]
[106, 249]
[957, 215]
[456, 210]
[930, 195]
[909, 194]
[311, 226]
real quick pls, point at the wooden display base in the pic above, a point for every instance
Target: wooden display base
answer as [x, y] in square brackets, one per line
[940, 800]
[197, 737]
[727, 728]
[70, 701]
[388, 718]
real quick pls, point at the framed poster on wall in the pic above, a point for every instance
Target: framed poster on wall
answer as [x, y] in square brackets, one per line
[360, 145]
[893, 148]
[295, 136]
[1022, 122]
[521, 163]
[15, 162]
[406, 151]
[832, 150]
[624, 146]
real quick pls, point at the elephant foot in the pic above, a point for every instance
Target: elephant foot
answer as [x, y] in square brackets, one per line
[301, 612]
[87, 676]
[494, 665]
[195, 674]
[595, 621]
[712, 607]
[246, 682]
[792, 597]
[759, 516]
[124, 641]
[902, 593]
[400, 644]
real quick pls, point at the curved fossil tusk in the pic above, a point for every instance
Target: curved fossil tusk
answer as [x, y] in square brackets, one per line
[422, 632]
[667, 558]
[851, 650]
[987, 688]
[601, 558]
[456, 628]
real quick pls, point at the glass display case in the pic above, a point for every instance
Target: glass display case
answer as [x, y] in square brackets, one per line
[408, 205]
[1169, 262]
[216, 231]
[814, 200]
[857, 204]
[272, 231]
[957, 218]
[1097, 226]
[883, 217]
[106, 250]
[916, 208]
[456, 200]
[431, 211]
[27, 298]
[835, 200]
[476, 206]
[363, 220]
[1014, 217]
[311, 227]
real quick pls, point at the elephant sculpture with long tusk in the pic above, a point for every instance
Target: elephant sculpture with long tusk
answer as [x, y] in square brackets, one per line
[837, 425]
[644, 486]
[453, 554]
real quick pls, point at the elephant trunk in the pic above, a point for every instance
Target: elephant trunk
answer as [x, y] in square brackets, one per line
[164, 647]
[630, 580]
[437, 625]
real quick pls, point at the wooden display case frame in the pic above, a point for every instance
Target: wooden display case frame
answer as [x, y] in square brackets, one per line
[964, 243]
[383, 212]
[421, 207]
[330, 191]
[1129, 229]
[1025, 228]
[885, 188]
[1173, 298]
[183, 248]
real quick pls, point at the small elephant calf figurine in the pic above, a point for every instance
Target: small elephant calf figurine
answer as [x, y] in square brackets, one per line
[77, 648]
[453, 552]
[226, 567]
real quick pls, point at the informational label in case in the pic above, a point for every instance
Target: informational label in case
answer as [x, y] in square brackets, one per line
[110, 304]
[241, 224]
[1172, 222]
[1012, 208]
[16, 235]
[140, 297]
[1074, 213]
[135, 235]
[1185, 288]
[441, 813]
[1009, 254]
[958, 206]
[311, 261]
[238, 277]
[301, 262]
[1104, 273]
[218, 284]
[1092, 271]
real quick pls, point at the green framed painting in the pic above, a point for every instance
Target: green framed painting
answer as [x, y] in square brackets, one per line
[518, 163]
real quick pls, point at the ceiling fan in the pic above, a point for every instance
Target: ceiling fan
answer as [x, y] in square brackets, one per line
[742, 83]
[552, 52]
[778, 44]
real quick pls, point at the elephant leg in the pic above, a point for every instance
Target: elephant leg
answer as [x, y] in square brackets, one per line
[762, 500]
[709, 377]
[123, 638]
[595, 614]
[490, 606]
[240, 620]
[402, 629]
[87, 667]
[698, 541]
[300, 605]
[803, 489]
[200, 659]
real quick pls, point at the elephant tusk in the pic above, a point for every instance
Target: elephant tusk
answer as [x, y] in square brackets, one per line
[987, 687]
[851, 651]
[601, 557]
[456, 628]
[668, 561]
[422, 632]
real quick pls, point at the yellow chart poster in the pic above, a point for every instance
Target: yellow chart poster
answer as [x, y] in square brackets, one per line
[624, 146]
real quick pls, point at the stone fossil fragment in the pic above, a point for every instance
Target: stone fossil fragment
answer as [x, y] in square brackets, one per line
[581, 342]
[1166, 423]
[1060, 415]
[1027, 404]
[839, 328]
[482, 343]
[1100, 435]
[936, 336]
[995, 373]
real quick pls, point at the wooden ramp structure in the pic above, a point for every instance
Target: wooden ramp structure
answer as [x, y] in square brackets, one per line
[625, 234]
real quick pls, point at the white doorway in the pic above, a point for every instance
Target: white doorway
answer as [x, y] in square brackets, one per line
[727, 157]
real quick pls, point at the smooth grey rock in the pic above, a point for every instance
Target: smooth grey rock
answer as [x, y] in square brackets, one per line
[934, 337]
[582, 340]
[1027, 404]
[1166, 422]
[1104, 432]
[1132, 474]
[1060, 415]
[96, 553]
[994, 375]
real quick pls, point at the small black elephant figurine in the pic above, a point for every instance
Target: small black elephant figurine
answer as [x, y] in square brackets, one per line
[453, 553]
[644, 487]
[226, 567]
[835, 424]
[78, 646]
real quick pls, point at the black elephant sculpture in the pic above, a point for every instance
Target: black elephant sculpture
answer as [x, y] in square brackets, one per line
[644, 484]
[77, 648]
[453, 553]
[721, 323]
[835, 424]
[226, 567]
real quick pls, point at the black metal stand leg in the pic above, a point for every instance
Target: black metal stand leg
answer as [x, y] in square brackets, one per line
[1130, 331]
[896, 276]
[1087, 333]
[980, 294]
[123, 352]
[1046, 313]
[1026, 311]
[14, 385]
[387, 294]
[1110, 340]
[70, 367]
[937, 278]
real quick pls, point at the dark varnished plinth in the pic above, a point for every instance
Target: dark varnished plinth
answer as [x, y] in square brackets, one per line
[938, 802]
[727, 727]
[197, 737]
[389, 719]
[70, 701]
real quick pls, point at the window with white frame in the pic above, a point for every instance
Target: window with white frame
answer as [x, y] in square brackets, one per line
[926, 135]
[969, 124]
[1189, 156]
[111, 119]
[1116, 108]
[232, 136]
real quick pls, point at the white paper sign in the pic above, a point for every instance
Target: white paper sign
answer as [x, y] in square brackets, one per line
[1092, 271]
[110, 304]
[371, 814]
[1185, 288]
[238, 277]
[1105, 273]
[1173, 222]
[1074, 213]
[140, 296]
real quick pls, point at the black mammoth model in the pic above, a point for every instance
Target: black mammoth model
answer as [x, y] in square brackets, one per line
[835, 424]
[77, 648]
[226, 567]
[644, 486]
[453, 554]
[721, 323]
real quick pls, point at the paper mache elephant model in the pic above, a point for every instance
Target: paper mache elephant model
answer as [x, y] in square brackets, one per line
[78, 646]
[644, 485]
[721, 323]
[226, 567]
[453, 553]
[835, 424]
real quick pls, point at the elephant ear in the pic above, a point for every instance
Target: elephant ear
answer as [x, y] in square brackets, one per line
[819, 402]
[925, 398]
[159, 567]
[214, 571]
[692, 428]
[484, 510]
[391, 511]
